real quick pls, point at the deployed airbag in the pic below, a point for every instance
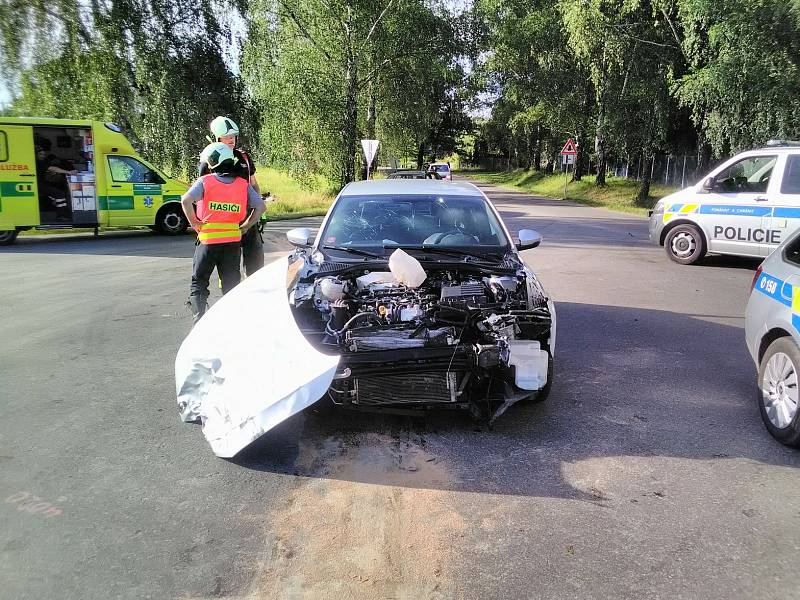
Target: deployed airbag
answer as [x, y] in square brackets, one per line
[246, 366]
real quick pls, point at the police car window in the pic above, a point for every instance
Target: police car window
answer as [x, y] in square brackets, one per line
[125, 169]
[747, 175]
[792, 251]
[791, 175]
[3, 147]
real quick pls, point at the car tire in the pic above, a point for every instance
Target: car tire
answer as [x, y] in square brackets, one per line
[171, 220]
[685, 244]
[779, 392]
[8, 237]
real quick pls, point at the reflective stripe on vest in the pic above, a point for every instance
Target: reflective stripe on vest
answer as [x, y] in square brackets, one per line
[220, 233]
[222, 208]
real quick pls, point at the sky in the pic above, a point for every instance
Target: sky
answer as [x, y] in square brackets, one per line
[5, 96]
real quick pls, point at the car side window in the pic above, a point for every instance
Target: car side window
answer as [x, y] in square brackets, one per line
[791, 175]
[749, 175]
[792, 251]
[126, 169]
[3, 146]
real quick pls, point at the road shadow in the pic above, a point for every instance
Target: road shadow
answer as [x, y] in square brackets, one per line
[581, 230]
[628, 383]
[731, 262]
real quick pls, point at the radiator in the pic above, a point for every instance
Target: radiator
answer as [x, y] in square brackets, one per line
[411, 388]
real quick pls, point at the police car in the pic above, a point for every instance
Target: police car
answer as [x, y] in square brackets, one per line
[772, 332]
[745, 207]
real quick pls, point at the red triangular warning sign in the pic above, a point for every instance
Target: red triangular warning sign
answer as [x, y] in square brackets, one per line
[569, 147]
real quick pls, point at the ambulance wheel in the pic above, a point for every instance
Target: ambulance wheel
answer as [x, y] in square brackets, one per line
[171, 221]
[685, 244]
[7, 237]
[778, 395]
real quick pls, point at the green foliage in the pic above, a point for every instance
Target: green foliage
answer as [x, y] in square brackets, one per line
[743, 80]
[293, 197]
[326, 73]
[154, 66]
[625, 78]
[639, 77]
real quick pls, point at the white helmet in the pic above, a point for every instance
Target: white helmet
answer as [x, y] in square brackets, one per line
[217, 153]
[223, 126]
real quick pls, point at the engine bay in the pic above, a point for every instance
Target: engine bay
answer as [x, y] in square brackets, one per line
[440, 341]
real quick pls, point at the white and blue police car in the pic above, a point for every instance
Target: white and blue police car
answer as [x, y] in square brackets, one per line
[772, 333]
[745, 207]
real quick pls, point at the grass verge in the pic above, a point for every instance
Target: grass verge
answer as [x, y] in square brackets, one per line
[618, 194]
[294, 199]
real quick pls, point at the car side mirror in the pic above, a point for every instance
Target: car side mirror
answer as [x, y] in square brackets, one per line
[528, 238]
[709, 184]
[301, 236]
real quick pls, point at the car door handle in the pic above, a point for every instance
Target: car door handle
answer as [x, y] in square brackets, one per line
[115, 185]
[762, 199]
[27, 175]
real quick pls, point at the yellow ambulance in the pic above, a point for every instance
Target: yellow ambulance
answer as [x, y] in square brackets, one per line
[59, 173]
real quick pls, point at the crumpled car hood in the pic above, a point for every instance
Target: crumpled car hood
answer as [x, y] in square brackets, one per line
[246, 366]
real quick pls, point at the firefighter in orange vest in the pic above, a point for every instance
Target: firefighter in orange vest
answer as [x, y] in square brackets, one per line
[226, 131]
[220, 218]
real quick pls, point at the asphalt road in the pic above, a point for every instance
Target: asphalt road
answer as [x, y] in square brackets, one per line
[647, 474]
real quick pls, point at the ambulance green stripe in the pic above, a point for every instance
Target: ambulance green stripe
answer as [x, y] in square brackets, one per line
[115, 202]
[9, 189]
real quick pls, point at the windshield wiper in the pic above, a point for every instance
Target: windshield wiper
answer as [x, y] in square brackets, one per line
[465, 254]
[354, 251]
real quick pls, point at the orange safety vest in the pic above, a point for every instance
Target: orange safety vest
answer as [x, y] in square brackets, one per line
[222, 208]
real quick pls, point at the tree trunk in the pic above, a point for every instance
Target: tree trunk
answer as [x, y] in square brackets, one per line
[420, 155]
[579, 170]
[350, 132]
[371, 118]
[643, 195]
[537, 150]
[550, 167]
[600, 147]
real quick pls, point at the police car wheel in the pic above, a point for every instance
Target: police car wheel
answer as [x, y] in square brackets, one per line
[778, 394]
[172, 221]
[685, 244]
[7, 237]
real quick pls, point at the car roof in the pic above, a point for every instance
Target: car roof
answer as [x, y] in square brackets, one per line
[410, 187]
[439, 165]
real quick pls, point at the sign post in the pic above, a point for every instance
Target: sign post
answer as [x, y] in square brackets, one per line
[370, 148]
[568, 153]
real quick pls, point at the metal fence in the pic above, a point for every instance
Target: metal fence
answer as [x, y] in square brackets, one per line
[674, 170]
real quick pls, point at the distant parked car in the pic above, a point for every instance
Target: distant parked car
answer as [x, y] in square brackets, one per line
[442, 169]
[414, 175]
[772, 331]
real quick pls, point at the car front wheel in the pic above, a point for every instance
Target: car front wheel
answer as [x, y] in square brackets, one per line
[685, 244]
[778, 391]
[171, 220]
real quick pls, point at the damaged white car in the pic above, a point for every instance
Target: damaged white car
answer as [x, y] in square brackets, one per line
[419, 288]
[411, 296]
